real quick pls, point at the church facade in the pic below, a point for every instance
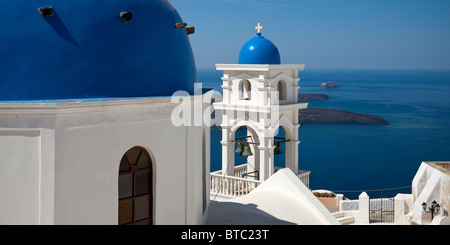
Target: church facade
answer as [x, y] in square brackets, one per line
[74, 163]
[86, 135]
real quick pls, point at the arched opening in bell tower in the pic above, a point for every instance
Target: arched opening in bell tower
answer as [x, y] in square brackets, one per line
[280, 149]
[282, 89]
[246, 157]
[245, 90]
[285, 154]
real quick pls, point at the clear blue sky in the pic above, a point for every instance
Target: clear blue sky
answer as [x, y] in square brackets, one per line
[359, 34]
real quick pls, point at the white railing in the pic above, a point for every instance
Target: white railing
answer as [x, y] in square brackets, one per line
[236, 185]
[239, 171]
[303, 175]
[232, 186]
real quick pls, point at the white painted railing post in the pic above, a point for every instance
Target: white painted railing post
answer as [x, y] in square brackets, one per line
[399, 210]
[363, 214]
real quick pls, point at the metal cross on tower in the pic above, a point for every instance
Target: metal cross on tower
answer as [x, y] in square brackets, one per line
[258, 27]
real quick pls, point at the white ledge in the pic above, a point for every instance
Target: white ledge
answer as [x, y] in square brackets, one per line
[258, 108]
[239, 67]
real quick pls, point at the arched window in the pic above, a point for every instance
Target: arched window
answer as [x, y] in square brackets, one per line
[282, 90]
[245, 89]
[135, 188]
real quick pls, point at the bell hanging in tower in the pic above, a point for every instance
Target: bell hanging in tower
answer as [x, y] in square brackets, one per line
[277, 149]
[240, 147]
[247, 151]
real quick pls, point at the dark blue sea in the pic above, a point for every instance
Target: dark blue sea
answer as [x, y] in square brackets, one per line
[349, 158]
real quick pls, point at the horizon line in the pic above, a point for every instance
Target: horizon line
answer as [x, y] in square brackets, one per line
[393, 69]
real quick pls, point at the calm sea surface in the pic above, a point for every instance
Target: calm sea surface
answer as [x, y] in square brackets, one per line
[350, 158]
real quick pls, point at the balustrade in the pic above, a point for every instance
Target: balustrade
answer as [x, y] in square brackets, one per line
[236, 185]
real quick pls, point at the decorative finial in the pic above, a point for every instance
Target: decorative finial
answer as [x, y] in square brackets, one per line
[258, 27]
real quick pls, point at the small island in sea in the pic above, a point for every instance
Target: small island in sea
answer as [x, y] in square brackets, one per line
[312, 97]
[331, 115]
[313, 114]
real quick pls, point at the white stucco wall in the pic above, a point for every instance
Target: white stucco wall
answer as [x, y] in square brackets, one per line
[60, 161]
[431, 183]
[19, 176]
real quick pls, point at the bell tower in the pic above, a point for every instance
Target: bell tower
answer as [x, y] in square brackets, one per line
[261, 94]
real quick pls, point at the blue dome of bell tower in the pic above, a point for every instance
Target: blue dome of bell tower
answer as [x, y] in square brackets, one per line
[259, 50]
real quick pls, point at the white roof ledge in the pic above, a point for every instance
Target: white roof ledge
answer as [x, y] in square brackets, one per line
[242, 67]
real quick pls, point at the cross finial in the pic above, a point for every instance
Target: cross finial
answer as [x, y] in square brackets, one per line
[258, 27]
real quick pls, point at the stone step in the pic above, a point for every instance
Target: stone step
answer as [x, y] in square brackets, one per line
[338, 214]
[346, 220]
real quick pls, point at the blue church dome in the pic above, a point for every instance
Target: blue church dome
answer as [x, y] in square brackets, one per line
[93, 49]
[259, 50]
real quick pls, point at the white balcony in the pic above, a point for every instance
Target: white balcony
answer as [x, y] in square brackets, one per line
[243, 182]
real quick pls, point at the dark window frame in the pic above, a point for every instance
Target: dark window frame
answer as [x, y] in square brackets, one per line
[134, 170]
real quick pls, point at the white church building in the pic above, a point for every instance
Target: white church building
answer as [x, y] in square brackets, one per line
[86, 135]
[94, 131]
[87, 131]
